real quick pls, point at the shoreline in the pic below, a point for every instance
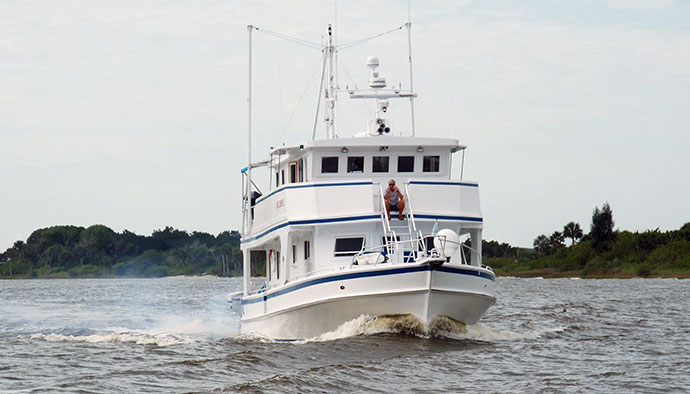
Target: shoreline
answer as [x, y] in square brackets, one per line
[543, 274]
[549, 273]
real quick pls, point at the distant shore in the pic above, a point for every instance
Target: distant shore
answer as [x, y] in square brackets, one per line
[552, 273]
[547, 273]
[61, 252]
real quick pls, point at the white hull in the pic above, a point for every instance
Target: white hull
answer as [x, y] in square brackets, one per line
[318, 304]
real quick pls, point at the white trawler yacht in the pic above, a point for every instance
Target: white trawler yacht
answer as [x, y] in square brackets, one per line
[331, 252]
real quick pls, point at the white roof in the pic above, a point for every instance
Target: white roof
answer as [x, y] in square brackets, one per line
[373, 141]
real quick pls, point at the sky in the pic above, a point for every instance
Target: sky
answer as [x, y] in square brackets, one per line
[133, 114]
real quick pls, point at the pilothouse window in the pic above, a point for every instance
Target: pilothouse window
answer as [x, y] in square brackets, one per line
[379, 164]
[355, 164]
[431, 163]
[348, 246]
[405, 163]
[329, 165]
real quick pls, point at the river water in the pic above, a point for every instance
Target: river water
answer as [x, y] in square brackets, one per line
[177, 335]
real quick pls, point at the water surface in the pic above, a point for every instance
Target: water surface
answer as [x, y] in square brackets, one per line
[178, 335]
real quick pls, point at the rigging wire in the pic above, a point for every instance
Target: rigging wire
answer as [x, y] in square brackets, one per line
[357, 42]
[354, 83]
[295, 40]
[318, 102]
[299, 102]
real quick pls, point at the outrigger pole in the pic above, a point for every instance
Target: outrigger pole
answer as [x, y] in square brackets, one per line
[246, 201]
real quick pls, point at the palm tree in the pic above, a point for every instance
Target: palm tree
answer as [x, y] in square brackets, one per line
[542, 245]
[573, 231]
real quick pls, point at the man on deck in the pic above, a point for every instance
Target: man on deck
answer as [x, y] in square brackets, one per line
[394, 199]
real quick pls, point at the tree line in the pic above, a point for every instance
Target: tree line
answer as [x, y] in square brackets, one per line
[602, 252]
[94, 251]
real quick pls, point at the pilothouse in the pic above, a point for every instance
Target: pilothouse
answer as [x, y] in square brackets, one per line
[332, 253]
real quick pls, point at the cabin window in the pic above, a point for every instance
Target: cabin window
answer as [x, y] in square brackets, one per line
[348, 246]
[431, 163]
[355, 164]
[294, 254]
[306, 250]
[379, 164]
[300, 170]
[386, 240]
[293, 172]
[405, 163]
[329, 165]
[282, 177]
[277, 179]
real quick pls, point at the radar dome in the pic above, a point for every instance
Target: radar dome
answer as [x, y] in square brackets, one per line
[447, 241]
[372, 62]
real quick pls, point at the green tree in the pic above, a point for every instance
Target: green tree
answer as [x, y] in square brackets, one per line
[573, 231]
[98, 241]
[602, 227]
[542, 245]
[556, 240]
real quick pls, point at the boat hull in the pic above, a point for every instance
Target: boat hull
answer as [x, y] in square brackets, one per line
[317, 305]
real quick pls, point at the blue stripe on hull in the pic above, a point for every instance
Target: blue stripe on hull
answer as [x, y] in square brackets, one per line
[368, 274]
[444, 183]
[313, 221]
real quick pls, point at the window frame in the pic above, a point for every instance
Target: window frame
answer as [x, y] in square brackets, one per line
[431, 162]
[406, 157]
[293, 171]
[373, 165]
[351, 161]
[337, 164]
[348, 252]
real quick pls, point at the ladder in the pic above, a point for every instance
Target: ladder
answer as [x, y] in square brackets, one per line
[410, 238]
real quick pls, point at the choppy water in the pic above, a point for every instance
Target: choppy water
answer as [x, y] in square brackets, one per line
[178, 335]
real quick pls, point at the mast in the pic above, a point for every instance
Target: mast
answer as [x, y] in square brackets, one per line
[331, 91]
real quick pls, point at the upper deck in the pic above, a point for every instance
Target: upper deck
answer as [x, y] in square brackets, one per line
[342, 180]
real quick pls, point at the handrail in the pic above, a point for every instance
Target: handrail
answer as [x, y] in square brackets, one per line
[395, 243]
[462, 244]
[384, 220]
[413, 229]
[386, 224]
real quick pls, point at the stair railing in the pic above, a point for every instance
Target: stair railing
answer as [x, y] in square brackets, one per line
[411, 224]
[388, 233]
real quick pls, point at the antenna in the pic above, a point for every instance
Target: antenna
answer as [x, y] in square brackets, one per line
[247, 221]
[409, 51]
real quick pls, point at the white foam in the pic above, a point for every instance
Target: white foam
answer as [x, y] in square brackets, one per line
[211, 326]
[480, 332]
[359, 326]
[128, 336]
[440, 327]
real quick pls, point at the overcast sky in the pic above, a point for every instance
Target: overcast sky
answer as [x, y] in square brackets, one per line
[132, 114]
